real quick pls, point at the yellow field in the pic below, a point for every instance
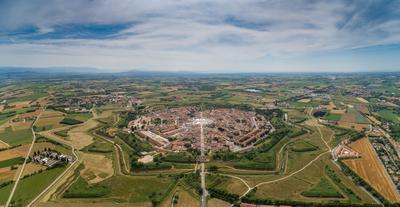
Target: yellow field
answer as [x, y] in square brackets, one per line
[371, 170]
[305, 100]
[97, 167]
[50, 118]
[217, 203]
[374, 120]
[362, 100]
[20, 151]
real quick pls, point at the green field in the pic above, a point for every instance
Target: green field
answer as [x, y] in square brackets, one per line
[324, 189]
[141, 190]
[84, 116]
[333, 117]
[30, 187]
[360, 119]
[81, 189]
[17, 137]
[11, 162]
[388, 115]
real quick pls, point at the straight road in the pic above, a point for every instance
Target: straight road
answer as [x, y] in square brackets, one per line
[25, 161]
[202, 173]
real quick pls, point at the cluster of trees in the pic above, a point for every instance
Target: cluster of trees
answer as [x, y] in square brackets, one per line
[138, 166]
[69, 121]
[134, 142]
[223, 195]
[268, 201]
[180, 157]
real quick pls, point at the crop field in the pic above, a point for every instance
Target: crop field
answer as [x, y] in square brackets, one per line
[11, 162]
[20, 151]
[84, 116]
[16, 137]
[217, 203]
[371, 170]
[30, 186]
[49, 120]
[6, 174]
[333, 117]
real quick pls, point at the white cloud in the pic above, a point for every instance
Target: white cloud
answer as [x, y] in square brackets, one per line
[191, 35]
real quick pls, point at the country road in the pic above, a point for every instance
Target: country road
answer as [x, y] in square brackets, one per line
[25, 161]
[202, 173]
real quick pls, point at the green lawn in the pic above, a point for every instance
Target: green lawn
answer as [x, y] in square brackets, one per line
[16, 137]
[10, 162]
[84, 116]
[30, 187]
[324, 189]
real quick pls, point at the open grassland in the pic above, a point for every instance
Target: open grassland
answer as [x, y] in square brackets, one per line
[371, 170]
[217, 203]
[30, 187]
[182, 198]
[292, 187]
[228, 184]
[16, 137]
[324, 189]
[140, 192]
[81, 116]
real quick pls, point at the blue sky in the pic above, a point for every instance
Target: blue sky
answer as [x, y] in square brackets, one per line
[206, 35]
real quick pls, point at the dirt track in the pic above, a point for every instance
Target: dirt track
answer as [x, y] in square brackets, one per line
[372, 170]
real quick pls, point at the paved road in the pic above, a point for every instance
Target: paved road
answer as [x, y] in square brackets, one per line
[25, 161]
[202, 173]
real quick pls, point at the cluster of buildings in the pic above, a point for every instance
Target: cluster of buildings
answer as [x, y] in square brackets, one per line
[51, 158]
[389, 157]
[83, 103]
[178, 129]
[342, 151]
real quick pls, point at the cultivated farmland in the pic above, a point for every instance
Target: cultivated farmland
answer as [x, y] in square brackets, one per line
[371, 170]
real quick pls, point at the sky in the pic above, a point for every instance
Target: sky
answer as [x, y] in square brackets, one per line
[202, 35]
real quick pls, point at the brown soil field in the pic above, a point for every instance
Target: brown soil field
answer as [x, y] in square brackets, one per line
[29, 114]
[6, 174]
[1, 108]
[20, 151]
[371, 170]
[21, 104]
[21, 125]
[358, 127]
[348, 117]
[32, 168]
[97, 167]
[337, 111]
